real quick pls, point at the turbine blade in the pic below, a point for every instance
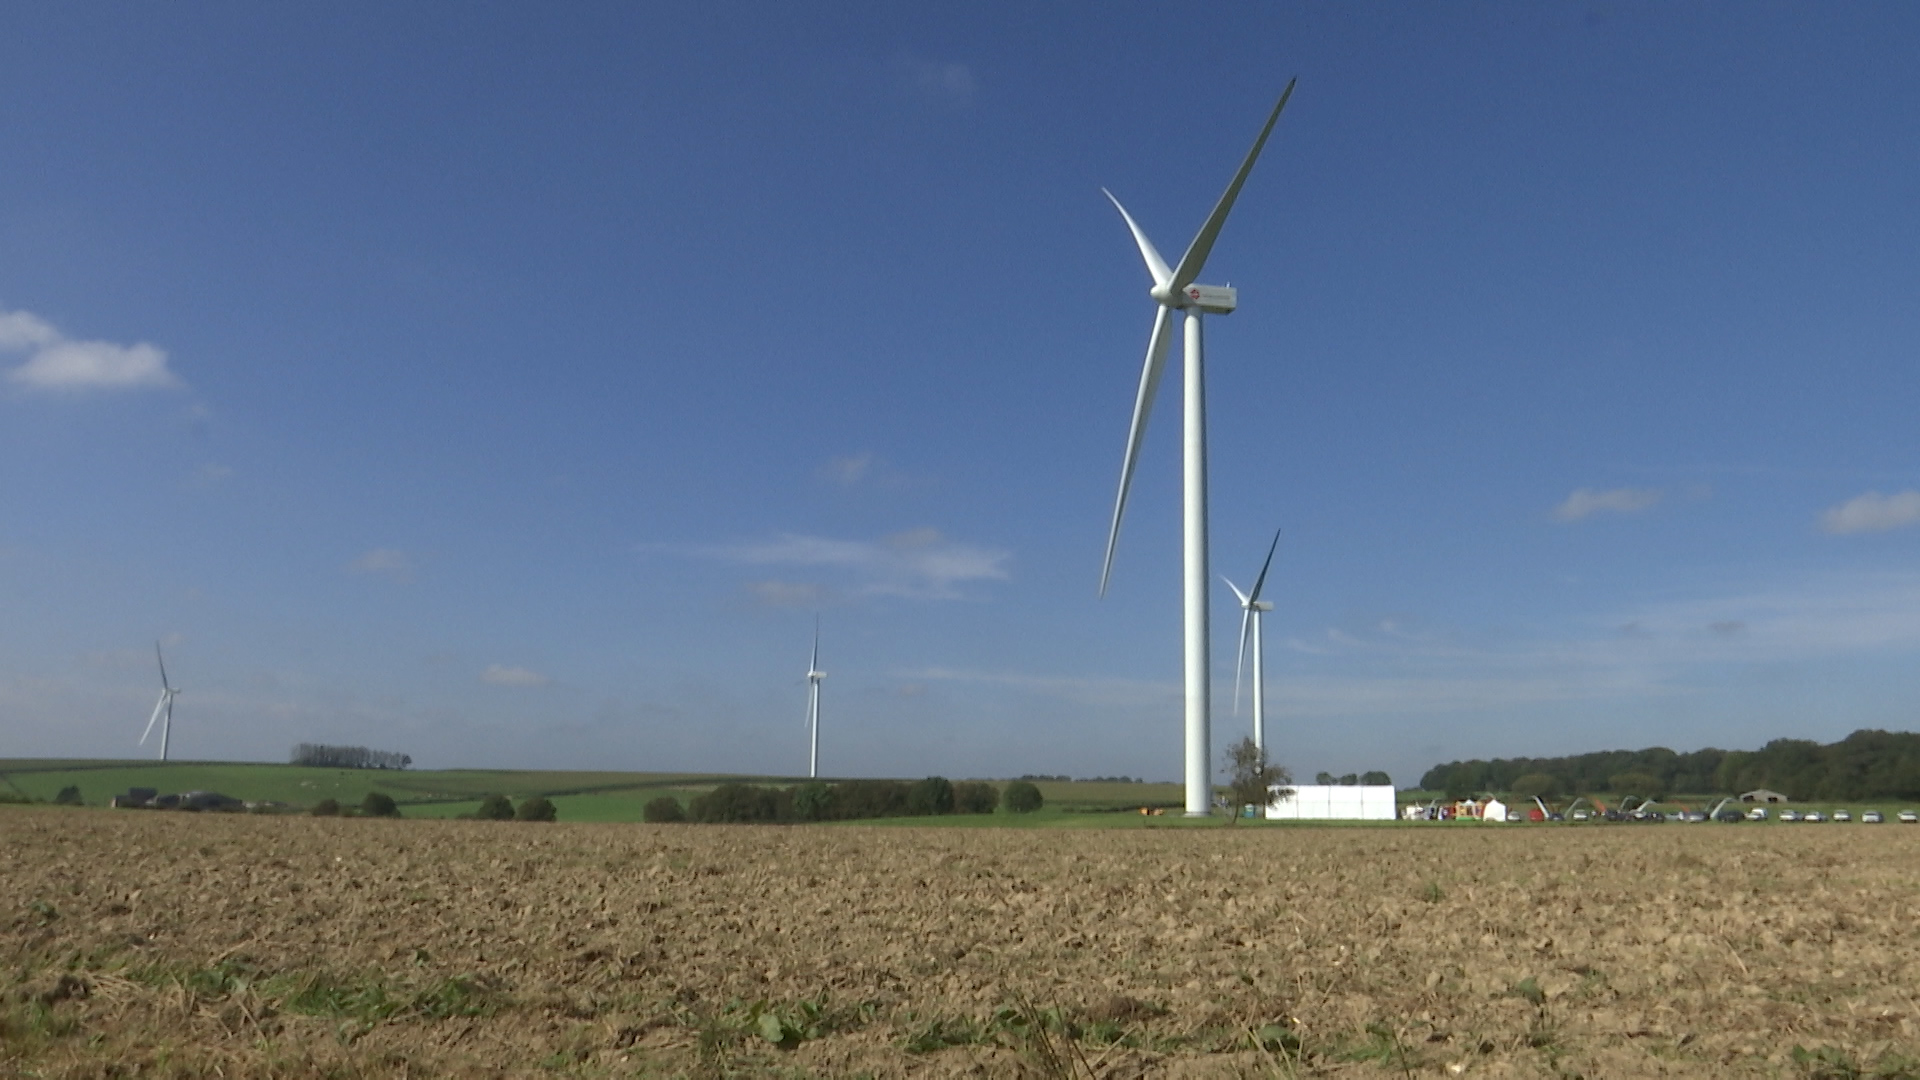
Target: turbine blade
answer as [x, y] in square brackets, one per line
[813, 665]
[155, 718]
[1262, 579]
[1246, 614]
[1156, 265]
[1236, 590]
[163, 664]
[1202, 246]
[1142, 408]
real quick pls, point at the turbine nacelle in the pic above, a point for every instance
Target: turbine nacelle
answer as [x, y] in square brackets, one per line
[1211, 299]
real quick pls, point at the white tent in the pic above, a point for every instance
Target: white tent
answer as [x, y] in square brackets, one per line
[1334, 802]
[1495, 810]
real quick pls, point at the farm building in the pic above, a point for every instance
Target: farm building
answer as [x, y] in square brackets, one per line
[1334, 802]
[1763, 795]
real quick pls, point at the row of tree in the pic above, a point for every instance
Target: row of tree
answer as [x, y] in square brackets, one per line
[849, 800]
[322, 756]
[1375, 777]
[1865, 765]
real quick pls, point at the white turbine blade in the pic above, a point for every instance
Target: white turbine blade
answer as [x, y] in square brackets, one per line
[1156, 265]
[1236, 590]
[1142, 408]
[813, 665]
[1261, 581]
[155, 718]
[1246, 616]
[163, 664]
[1202, 246]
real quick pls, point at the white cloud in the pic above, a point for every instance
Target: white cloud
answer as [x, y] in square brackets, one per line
[919, 563]
[787, 593]
[1872, 512]
[501, 675]
[848, 471]
[1586, 502]
[388, 562]
[56, 362]
[949, 82]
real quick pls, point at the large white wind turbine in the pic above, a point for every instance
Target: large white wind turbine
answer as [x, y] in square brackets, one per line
[1175, 290]
[814, 675]
[162, 709]
[1251, 608]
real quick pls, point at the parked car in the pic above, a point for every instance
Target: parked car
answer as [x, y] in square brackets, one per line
[1842, 815]
[1758, 813]
[1908, 817]
[1815, 816]
[1789, 815]
[1731, 816]
[1871, 817]
[1694, 815]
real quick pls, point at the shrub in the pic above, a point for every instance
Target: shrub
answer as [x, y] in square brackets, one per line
[813, 801]
[495, 808]
[934, 795]
[325, 808]
[735, 803]
[870, 799]
[378, 804]
[1021, 797]
[664, 810]
[538, 808]
[69, 796]
[974, 797]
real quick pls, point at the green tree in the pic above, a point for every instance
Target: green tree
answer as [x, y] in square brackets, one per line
[537, 808]
[1251, 778]
[664, 810]
[1376, 778]
[1021, 797]
[1325, 779]
[1645, 785]
[69, 796]
[325, 808]
[495, 808]
[378, 804]
[813, 801]
[934, 795]
[975, 797]
[1536, 785]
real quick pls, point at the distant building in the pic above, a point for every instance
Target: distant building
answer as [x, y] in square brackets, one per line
[1763, 795]
[1334, 802]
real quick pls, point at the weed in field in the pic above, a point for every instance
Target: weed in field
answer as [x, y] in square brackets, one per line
[1430, 893]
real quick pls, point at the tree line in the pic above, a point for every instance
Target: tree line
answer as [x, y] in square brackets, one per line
[1867, 764]
[348, 757]
[848, 800]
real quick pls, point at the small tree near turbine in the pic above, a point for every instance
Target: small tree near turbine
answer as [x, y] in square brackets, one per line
[1251, 778]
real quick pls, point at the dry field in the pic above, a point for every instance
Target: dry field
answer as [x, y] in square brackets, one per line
[163, 945]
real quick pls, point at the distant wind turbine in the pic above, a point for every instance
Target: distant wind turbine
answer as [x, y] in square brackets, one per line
[814, 675]
[1175, 290]
[1251, 608]
[162, 709]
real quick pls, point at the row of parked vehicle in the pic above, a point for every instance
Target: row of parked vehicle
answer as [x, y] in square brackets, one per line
[1730, 815]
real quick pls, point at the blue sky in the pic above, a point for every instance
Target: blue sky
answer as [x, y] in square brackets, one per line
[511, 385]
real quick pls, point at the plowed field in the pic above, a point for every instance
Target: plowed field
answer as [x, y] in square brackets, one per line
[157, 944]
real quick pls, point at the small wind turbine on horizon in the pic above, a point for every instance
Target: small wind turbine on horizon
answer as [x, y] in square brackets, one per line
[814, 675]
[1175, 290]
[1251, 608]
[162, 709]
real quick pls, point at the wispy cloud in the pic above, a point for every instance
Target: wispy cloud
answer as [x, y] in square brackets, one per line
[942, 80]
[502, 675]
[1586, 502]
[1872, 512]
[56, 362]
[387, 562]
[787, 593]
[920, 563]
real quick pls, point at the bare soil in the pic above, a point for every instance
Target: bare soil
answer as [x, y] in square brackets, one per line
[174, 945]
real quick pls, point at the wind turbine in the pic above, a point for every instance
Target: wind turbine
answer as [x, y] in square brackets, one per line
[1175, 290]
[814, 675]
[1251, 608]
[163, 707]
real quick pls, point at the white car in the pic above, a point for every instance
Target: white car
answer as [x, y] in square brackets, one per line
[1814, 815]
[1758, 813]
[1871, 817]
[1789, 815]
[1842, 815]
[1908, 817]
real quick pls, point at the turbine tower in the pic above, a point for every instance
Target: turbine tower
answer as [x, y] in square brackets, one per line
[814, 675]
[1175, 290]
[1251, 608]
[161, 708]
